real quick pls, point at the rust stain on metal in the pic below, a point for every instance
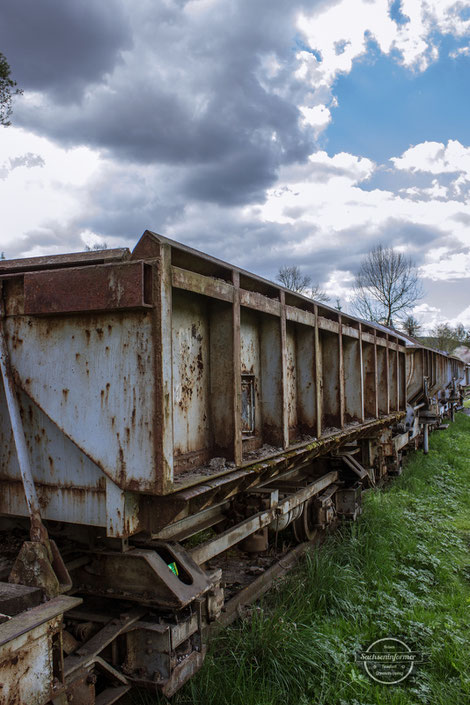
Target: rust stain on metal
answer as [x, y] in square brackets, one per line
[93, 288]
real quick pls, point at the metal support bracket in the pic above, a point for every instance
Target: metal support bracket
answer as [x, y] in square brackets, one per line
[161, 574]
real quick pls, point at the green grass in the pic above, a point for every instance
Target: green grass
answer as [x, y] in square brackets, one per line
[402, 570]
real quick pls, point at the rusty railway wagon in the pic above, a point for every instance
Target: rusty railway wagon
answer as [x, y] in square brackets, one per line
[160, 407]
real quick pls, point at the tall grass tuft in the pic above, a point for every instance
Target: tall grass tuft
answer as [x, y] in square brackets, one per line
[401, 570]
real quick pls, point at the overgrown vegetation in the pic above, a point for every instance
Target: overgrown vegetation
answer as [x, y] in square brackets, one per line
[444, 337]
[402, 570]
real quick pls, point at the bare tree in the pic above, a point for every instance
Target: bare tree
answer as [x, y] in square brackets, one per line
[318, 294]
[386, 286]
[411, 326]
[292, 278]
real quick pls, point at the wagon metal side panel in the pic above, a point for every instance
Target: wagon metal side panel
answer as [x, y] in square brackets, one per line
[191, 378]
[69, 485]
[92, 376]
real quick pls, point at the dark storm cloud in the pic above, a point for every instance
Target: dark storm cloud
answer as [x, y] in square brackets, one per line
[346, 249]
[210, 86]
[129, 204]
[242, 180]
[61, 46]
[395, 233]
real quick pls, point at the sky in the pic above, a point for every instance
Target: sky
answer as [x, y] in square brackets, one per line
[263, 132]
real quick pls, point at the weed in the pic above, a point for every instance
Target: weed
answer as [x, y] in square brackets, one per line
[402, 570]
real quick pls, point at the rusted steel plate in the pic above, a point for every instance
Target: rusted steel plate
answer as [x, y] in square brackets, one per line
[183, 672]
[350, 331]
[327, 324]
[368, 338]
[190, 374]
[353, 380]
[106, 287]
[200, 284]
[73, 259]
[30, 672]
[290, 391]
[24, 622]
[16, 598]
[300, 316]
[252, 299]
[88, 385]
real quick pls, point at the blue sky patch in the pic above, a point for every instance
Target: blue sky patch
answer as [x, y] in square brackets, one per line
[396, 13]
[383, 108]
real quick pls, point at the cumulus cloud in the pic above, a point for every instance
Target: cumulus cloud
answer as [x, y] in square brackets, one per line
[229, 92]
[435, 158]
[446, 266]
[208, 87]
[204, 120]
[341, 32]
[463, 316]
[39, 186]
[427, 316]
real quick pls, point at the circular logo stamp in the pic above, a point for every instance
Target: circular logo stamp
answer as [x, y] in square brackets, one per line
[389, 660]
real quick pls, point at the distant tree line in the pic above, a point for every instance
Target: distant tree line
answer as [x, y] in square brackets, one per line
[447, 338]
[443, 336]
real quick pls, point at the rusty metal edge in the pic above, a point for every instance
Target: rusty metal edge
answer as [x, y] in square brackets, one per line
[73, 259]
[161, 239]
[25, 621]
[318, 446]
[259, 586]
[183, 672]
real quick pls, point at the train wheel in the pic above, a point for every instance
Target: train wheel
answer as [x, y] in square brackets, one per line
[304, 527]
